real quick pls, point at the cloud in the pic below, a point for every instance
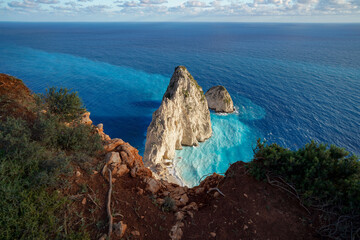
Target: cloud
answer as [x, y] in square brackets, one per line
[73, 4]
[153, 2]
[64, 9]
[26, 4]
[129, 4]
[48, 1]
[95, 8]
[192, 4]
[208, 9]
[334, 5]
[140, 4]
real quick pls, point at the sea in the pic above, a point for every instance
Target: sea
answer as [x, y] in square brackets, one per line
[290, 83]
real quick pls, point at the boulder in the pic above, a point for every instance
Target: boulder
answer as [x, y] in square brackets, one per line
[183, 119]
[112, 144]
[179, 216]
[183, 200]
[126, 156]
[153, 185]
[122, 170]
[192, 206]
[176, 232]
[112, 157]
[100, 126]
[85, 118]
[219, 99]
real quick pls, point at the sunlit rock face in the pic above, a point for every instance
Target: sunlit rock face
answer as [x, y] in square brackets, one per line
[219, 99]
[183, 119]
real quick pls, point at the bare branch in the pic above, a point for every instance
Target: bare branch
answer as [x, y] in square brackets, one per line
[215, 189]
[108, 205]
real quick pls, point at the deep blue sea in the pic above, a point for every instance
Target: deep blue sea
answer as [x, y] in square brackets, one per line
[290, 82]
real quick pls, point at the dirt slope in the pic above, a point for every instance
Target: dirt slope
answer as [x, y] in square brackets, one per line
[15, 98]
[249, 210]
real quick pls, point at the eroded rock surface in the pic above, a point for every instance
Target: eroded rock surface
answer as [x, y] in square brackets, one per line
[183, 119]
[219, 99]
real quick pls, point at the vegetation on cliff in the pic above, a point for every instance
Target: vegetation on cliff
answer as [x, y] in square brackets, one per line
[322, 177]
[34, 154]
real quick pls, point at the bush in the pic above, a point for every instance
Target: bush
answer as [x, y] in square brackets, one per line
[27, 210]
[75, 137]
[324, 176]
[63, 103]
[33, 155]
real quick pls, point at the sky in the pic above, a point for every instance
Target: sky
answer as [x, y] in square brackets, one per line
[181, 10]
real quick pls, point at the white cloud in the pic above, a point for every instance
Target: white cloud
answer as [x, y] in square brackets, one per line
[28, 4]
[73, 4]
[151, 2]
[95, 8]
[48, 1]
[208, 9]
[192, 4]
[129, 4]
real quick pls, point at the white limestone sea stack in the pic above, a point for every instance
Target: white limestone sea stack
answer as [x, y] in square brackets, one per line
[183, 119]
[219, 99]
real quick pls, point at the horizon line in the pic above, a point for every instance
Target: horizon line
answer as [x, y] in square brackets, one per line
[263, 22]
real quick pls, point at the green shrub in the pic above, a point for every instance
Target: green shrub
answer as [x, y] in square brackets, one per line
[75, 137]
[63, 103]
[32, 157]
[26, 208]
[323, 176]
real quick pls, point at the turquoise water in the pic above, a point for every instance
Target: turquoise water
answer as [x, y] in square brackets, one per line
[290, 82]
[231, 141]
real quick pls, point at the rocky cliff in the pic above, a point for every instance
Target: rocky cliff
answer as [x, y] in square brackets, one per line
[219, 99]
[183, 119]
[135, 205]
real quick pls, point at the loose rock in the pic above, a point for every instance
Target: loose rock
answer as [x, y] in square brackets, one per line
[152, 185]
[120, 229]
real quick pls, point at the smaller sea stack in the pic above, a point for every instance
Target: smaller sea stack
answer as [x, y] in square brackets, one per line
[219, 99]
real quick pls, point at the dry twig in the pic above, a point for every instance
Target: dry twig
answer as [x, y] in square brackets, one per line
[93, 200]
[215, 189]
[293, 192]
[108, 205]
